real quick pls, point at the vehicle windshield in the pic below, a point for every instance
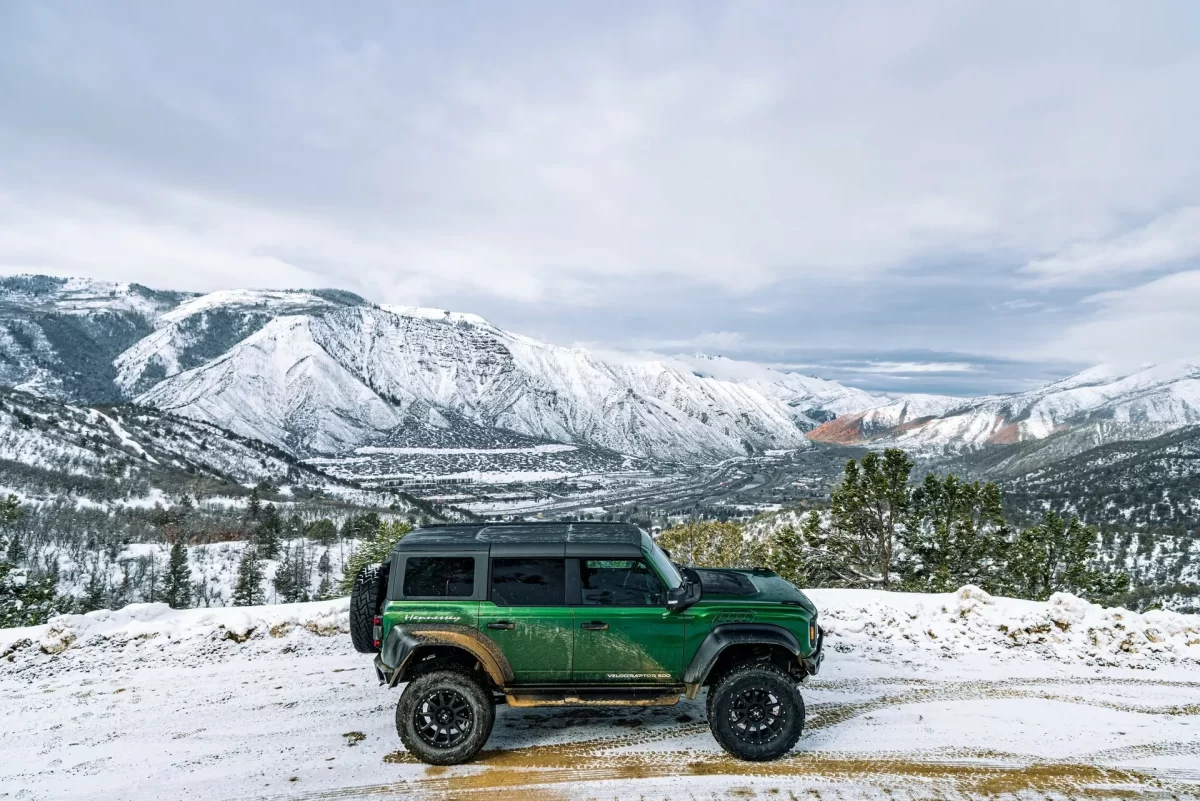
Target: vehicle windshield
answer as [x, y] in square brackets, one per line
[662, 563]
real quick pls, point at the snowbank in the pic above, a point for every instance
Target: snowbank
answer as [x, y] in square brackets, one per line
[1065, 628]
[142, 633]
[864, 623]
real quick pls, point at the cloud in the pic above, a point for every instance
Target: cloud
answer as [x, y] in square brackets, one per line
[1154, 322]
[646, 166]
[1166, 241]
[916, 367]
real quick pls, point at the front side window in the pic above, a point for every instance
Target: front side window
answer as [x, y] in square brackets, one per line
[529, 582]
[619, 582]
[439, 577]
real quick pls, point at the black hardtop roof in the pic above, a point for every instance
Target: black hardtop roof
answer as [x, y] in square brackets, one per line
[481, 536]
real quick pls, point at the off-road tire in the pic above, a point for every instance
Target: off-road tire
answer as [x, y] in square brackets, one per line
[366, 599]
[451, 686]
[756, 712]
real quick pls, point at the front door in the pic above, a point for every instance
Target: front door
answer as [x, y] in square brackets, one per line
[623, 631]
[528, 618]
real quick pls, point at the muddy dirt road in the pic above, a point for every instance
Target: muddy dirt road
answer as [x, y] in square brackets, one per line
[319, 728]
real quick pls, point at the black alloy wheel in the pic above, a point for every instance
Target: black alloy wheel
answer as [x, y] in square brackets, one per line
[755, 711]
[756, 715]
[443, 718]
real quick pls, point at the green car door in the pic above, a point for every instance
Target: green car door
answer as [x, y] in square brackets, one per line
[623, 631]
[528, 618]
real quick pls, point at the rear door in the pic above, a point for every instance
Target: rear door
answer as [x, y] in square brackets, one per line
[437, 589]
[527, 616]
[623, 631]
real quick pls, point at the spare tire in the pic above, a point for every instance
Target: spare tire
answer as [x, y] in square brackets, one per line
[366, 600]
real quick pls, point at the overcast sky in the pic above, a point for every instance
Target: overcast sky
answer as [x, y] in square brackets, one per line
[904, 196]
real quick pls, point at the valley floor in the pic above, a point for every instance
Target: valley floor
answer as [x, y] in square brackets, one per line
[273, 703]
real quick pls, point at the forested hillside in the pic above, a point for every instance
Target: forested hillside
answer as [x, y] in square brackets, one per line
[97, 496]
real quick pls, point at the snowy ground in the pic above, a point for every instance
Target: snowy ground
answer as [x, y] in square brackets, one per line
[936, 696]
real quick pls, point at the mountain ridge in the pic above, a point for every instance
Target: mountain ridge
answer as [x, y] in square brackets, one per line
[1148, 402]
[322, 372]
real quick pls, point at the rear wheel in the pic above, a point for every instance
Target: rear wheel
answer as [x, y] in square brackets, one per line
[444, 717]
[756, 712]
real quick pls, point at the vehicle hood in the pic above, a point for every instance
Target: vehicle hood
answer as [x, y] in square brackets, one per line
[760, 586]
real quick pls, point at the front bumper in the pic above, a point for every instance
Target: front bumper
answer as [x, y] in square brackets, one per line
[812, 662]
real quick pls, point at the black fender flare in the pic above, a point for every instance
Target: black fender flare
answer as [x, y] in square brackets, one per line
[404, 641]
[728, 635]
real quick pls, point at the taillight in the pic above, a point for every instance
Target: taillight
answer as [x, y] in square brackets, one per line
[377, 631]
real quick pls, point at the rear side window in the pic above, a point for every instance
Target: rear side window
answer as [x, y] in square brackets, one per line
[439, 577]
[529, 582]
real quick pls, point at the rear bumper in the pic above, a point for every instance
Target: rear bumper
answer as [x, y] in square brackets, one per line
[381, 670]
[812, 662]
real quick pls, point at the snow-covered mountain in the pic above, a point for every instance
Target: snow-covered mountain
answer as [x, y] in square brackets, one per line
[325, 383]
[323, 372]
[1112, 406]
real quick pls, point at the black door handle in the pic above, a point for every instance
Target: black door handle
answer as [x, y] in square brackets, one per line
[594, 626]
[501, 625]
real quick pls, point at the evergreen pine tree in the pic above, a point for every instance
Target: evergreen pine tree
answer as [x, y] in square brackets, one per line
[292, 576]
[39, 597]
[868, 510]
[247, 589]
[178, 590]
[266, 533]
[12, 587]
[15, 552]
[325, 570]
[152, 583]
[372, 551]
[25, 600]
[254, 505]
[323, 532]
[787, 557]
[955, 535]
[712, 543]
[1056, 556]
[95, 592]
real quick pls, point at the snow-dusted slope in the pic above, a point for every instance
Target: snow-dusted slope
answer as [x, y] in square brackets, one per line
[84, 296]
[810, 400]
[1144, 403]
[59, 335]
[51, 451]
[323, 383]
[282, 387]
[205, 327]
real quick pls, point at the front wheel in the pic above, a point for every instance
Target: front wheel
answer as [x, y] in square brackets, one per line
[444, 717]
[756, 712]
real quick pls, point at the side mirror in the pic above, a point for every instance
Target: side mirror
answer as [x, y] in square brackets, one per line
[683, 596]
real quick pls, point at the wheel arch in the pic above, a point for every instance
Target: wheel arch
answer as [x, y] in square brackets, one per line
[734, 643]
[407, 648]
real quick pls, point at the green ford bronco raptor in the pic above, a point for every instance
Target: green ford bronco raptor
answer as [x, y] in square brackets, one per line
[578, 614]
